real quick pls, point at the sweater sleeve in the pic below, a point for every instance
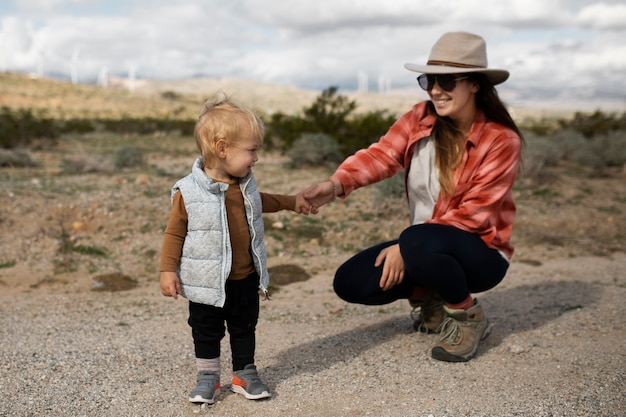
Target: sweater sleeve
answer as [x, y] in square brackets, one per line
[385, 158]
[277, 202]
[174, 238]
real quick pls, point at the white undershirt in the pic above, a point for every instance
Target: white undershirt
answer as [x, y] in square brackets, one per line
[423, 182]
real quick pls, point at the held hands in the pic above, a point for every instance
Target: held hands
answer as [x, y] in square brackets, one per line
[170, 285]
[322, 193]
[302, 205]
[393, 266]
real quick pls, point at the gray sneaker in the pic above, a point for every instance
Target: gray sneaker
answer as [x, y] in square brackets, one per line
[248, 383]
[427, 313]
[206, 389]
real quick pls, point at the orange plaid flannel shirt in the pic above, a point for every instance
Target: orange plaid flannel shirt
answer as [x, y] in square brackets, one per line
[482, 202]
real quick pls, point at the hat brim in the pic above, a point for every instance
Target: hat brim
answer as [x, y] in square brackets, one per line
[495, 76]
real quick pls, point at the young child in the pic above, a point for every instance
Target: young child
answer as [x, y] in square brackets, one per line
[213, 251]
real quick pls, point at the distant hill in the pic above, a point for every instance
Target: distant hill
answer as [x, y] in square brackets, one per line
[183, 98]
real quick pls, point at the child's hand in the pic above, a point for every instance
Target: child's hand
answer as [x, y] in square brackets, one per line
[302, 205]
[170, 285]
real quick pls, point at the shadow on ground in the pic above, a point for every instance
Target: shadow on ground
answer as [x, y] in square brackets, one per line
[511, 311]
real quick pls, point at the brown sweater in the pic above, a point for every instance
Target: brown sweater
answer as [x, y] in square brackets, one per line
[238, 226]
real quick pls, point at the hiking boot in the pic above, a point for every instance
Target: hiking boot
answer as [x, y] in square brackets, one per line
[206, 389]
[460, 333]
[248, 383]
[427, 313]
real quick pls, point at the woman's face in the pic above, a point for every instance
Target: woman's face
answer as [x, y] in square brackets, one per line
[458, 102]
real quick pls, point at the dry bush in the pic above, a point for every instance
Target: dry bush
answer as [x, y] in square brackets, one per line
[16, 158]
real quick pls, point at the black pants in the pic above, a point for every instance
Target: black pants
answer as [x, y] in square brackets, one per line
[240, 314]
[444, 258]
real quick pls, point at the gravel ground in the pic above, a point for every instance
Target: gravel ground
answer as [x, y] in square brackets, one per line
[556, 350]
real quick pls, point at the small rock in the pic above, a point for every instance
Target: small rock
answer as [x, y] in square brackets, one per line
[517, 349]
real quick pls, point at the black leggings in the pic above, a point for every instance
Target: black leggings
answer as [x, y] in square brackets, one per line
[240, 313]
[444, 258]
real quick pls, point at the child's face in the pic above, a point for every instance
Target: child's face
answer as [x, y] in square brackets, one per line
[240, 157]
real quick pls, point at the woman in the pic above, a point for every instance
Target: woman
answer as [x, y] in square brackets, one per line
[460, 152]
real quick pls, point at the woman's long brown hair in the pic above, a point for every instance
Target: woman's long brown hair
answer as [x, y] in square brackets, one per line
[450, 140]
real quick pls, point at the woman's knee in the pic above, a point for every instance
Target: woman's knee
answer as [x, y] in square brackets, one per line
[342, 284]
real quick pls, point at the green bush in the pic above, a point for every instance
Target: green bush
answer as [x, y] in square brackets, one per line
[78, 126]
[330, 114]
[596, 123]
[128, 157]
[314, 149]
[148, 125]
[18, 128]
[364, 129]
[588, 125]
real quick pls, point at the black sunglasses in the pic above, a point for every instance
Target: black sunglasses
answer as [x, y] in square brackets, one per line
[447, 82]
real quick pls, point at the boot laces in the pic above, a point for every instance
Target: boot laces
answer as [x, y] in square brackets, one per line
[450, 331]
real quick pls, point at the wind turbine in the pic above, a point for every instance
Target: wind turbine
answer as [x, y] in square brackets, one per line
[131, 78]
[362, 82]
[3, 58]
[103, 77]
[74, 66]
[40, 63]
[384, 84]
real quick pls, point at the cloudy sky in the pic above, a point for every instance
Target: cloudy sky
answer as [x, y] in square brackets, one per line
[560, 52]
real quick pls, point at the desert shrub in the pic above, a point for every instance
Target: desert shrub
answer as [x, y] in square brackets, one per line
[549, 151]
[364, 129]
[331, 114]
[82, 164]
[18, 128]
[597, 123]
[170, 95]
[569, 145]
[78, 126]
[542, 126]
[588, 125]
[128, 157]
[608, 150]
[392, 187]
[148, 125]
[314, 149]
[283, 130]
[16, 158]
[390, 198]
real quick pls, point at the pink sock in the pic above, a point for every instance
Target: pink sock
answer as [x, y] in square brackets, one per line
[463, 305]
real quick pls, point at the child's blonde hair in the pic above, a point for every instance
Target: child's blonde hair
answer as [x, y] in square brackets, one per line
[222, 118]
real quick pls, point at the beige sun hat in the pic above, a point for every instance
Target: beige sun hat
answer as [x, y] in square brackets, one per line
[459, 53]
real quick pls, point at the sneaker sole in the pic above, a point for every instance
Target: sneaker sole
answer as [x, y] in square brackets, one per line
[441, 354]
[241, 390]
[201, 399]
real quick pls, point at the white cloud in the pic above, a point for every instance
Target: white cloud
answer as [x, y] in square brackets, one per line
[546, 45]
[603, 16]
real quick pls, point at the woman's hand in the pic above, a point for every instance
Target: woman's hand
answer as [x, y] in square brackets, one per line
[322, 193]
[170, 285]
[393, 266]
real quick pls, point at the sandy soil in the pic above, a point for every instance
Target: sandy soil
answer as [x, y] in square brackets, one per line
[84, 330]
